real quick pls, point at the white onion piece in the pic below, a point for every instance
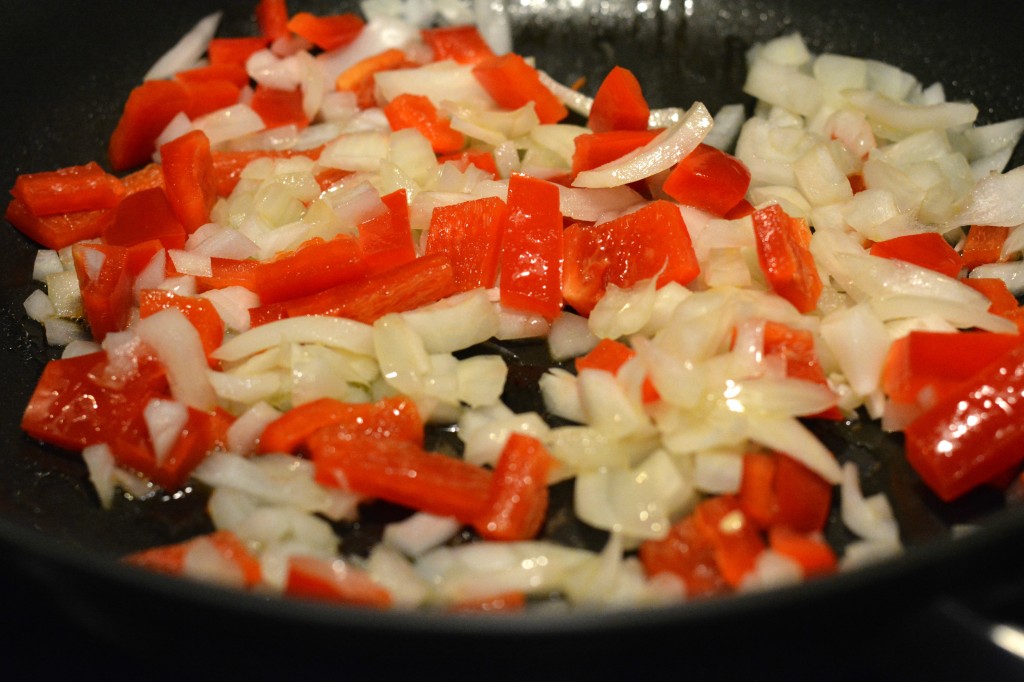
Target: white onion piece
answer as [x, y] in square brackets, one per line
[870, 518]
[177, 345]
[717, 471]
[957, 314]
[481, 379]
[570, 337]
[1011, 273]
[245, 388]
[233, 304]
[165, 420]
[273, 72]
[244, 433]
[728, 122]
[334, 332]
[790, 436]
[593, 204]
[441, 81]
[153, 274]
[229, 123]
[912, 117]
[205, 562]
[46, 262]
[188, 263]
[454, 323]
[61, 332]
[859, 341]
[621, 312]
[491, 19]
[218, 241]
[518, 324]
[100, 464]
[80, 347]
[771, 570]
[38, 306]
[187, 51]
[420, 533]
[661, 153]
[358, 151]
[391, 570]
[995, 200]
[607, 407]
[485, 439]
[574, 100]
[561, 395]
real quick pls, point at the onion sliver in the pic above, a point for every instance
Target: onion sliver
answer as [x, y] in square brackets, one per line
[187, 51]
[661, 153]
[336, 332]
[176, 342]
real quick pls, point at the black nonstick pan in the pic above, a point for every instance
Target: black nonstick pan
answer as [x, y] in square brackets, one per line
[66, 67]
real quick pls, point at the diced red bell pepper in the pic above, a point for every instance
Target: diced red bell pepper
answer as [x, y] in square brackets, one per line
[233, 73]
[200, 312]
[531, 251]
[414, 284]
[796, 347]
[79, 401]
[513, 84]
[328, 32]
[146, 215]
[469, 234]
[418, 112]
[803, 498]
[518, 499]
[974, 433]
[209, 95]
[857, 183]
[170, 559]
[736, 540]
[234, 51]
[149, 176]
[708, 179]
[649, 242]
[918, 371]
[189, 181]
[333, 580]
[279, 108]
[996, 291]
[619, 103]
[785, 258]
[272, 18]
[484, 160]
[386, 239]
[596, 149]
[58, 231]
[927, 249]
[462, 43]
[68, 190]
[757, 495]
[809, 550]
[983, 244]
[106, 286]
[359, 78]
[402, 473]
[396, 418]
[610, 355]
[148, 110]
[688, 554]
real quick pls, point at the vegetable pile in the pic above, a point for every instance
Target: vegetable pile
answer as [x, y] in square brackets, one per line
[307, 240]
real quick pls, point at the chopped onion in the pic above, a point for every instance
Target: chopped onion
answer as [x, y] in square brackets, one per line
[187, 51]
[570, 336]
[335, 332]
[165, 420]
[870, 518]
[176, 342]
[420, 533]
[100, 463]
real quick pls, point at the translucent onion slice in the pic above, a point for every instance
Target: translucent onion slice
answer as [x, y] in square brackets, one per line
[661, 153]
[995, 200]
[420, 533]
[187, 51]
[335, 332]
[871, 518]
[176, 342]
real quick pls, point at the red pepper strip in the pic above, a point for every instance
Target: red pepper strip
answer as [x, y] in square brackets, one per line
[782, 251]
[796, 347]
[359, 78]
[513, 84]
[995, 290]
[974, 433]
[596, 149]
[757, 495]
[469, 235]
[68, 190]
[272, 18]
[708, 179]
[402, 473]
[335, 581]
[279, 108]
[234, 51]
[209, 95]
[807, 549]
[803, 497]
[610, 355]
[531, 251]
[464, 44]
[203, 433]
[106, 291]
[387, 418]
[200, 312]
[146, 215]
[983, 244]
[418, 112]
[737, 542]
[140, 255]
[917, 369]
[188, 178]
[386, 239]
[649, 242]
[77, 402]
[927, 249]
[688, 554]
[148, 110]
[518, 499]
[57, 231]
[170, 559]
[149, 176]
[619, 103]
[414, 284]
[313, 267]
[230, 72]
[328, 32]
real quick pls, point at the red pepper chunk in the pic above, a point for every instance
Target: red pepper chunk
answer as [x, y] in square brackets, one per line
[796, 348]
[708, 179]
[736, 540]
[170, 559]
[531, 253]
[688, 554]
[782, 251]
[983, 244]
[803, 498]
[926, 249]
[200, 312]
[385, 239]
[145, 215]
[596, 149]
[189, 180]
[57, 231]
[328, 32]
[148, 110]
[272, 18]
[68, 190]
[463, 44]
[619, 103]
[809, 550]
[106, 286]
[279, 108]
[335, 581]
[518, 499]
[974, 433]
[469, 234]
[513, 84]
[418, 112]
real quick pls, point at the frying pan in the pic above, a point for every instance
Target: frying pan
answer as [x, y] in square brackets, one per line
[66, 69]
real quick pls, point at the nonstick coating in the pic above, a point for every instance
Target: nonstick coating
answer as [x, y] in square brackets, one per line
[67, 68]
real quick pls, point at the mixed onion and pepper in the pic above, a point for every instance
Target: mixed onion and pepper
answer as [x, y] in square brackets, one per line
[307, 238]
